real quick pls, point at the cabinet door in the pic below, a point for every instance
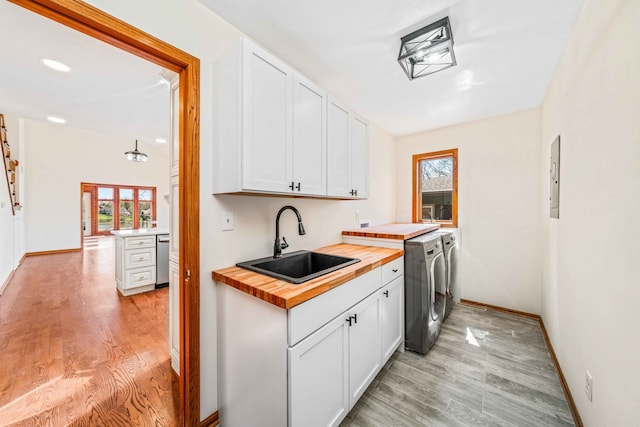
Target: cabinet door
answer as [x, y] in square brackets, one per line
[174, 316]
[318, 375]
[267, 101]
[364, 346]
[338, 150]
[119, 261]
[174, 219]
[309, 138]
[175, 126]
[359, 157]
[391, 316]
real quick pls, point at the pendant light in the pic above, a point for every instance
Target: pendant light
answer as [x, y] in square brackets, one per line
[135, 155]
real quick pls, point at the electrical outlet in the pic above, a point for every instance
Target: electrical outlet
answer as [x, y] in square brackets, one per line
[227, 221]
[588, 386]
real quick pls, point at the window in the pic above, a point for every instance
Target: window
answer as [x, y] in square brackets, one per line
[435, 187]
[121, 207]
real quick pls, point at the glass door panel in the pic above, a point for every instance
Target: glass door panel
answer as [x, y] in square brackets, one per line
[126, 209]
[105, 209]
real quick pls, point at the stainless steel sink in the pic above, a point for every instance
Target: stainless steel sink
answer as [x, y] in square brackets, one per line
[298, 267]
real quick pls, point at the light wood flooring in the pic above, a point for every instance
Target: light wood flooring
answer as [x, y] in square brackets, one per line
[74, 352]
[488, 368]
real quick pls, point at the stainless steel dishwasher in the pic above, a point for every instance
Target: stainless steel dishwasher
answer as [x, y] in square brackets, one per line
[162, 260]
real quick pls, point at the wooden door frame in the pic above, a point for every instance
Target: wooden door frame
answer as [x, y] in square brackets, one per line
[89, 20]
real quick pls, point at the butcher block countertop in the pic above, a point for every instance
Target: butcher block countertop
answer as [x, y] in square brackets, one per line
[287, 295]
[392, 231]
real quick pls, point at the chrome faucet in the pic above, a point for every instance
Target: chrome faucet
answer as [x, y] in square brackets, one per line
[277, 246]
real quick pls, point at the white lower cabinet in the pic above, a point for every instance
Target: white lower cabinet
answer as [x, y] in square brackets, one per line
[364, 346]
[318, 372]
[331, 369]
[335, 345]
[391, 317]
[135, 266]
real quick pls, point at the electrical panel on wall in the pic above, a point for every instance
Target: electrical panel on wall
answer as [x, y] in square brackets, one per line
[554, 179]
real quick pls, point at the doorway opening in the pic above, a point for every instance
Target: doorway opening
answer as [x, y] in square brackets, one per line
[95, 23]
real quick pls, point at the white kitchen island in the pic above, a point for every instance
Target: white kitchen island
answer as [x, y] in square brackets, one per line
[135, 266]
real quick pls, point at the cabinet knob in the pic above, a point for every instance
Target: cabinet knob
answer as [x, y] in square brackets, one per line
[355, 318]
[348, 319]
[386, 294]
[395, 270]
[292, 185]
[298, 187]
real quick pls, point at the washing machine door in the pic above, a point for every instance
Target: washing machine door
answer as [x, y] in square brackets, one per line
[452, 261]
[438, 284]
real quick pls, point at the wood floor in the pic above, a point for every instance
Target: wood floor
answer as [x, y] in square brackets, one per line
[487, 368]
[73, 352]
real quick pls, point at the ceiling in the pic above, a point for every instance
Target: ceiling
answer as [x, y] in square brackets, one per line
[507, 51]
[107, 90]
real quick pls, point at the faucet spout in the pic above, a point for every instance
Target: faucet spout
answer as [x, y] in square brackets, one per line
[277, 246]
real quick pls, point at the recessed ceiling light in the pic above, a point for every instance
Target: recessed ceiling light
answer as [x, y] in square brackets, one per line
[161, 140]
[55, 119]
[58, 66]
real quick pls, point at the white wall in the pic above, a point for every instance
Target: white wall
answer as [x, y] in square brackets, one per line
[11, 226]
[58, 158]
[498, 204]
[192, 27]
[591, 292]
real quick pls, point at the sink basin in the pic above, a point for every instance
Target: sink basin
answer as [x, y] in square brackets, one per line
[298, 267]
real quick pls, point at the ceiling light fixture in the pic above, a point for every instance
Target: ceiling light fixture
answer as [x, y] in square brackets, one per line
[161, 140]
[58, 66]
[135, 155]
[54, 119]
[427, 50]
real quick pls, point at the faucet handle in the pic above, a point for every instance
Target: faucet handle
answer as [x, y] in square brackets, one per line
[284, 244]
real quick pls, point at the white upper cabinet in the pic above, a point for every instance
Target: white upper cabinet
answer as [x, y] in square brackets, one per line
[266, 121]
[359, 157]
[309, 138]
[347, 153]
[271, 130]
[338, 153]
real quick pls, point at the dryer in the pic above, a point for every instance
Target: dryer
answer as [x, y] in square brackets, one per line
[450, 249]
[425, 289]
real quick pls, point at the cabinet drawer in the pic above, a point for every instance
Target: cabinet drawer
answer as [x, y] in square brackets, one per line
[307, 317]
[392, 269]
[139, 242]
[140, 277]
[139, 258]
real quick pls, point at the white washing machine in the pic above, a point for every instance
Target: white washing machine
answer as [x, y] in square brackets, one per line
[425, 289]
[450, 249]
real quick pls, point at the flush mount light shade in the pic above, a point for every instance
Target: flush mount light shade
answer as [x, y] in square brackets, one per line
[135, 155]
[427, 50]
